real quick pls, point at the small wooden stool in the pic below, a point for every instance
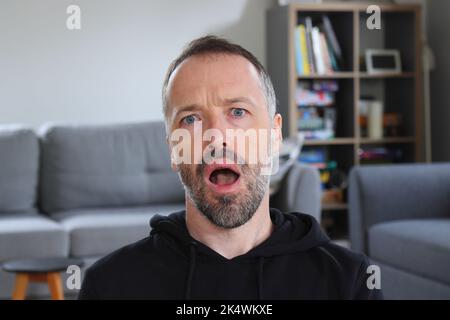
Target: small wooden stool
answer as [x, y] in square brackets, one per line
[39, 270]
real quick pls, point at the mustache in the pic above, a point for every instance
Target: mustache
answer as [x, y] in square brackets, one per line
[226, 154]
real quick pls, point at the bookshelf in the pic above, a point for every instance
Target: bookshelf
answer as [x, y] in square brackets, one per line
[400, 93]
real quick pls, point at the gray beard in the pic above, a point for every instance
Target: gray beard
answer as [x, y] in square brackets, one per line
[228, 211]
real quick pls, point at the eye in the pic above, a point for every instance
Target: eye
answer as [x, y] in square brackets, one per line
[190, 119]
[238, 112]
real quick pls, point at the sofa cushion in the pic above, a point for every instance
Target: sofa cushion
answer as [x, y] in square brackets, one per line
[106, 166]
[30, 235]
[420, 246]
[19, 162]
[96, 232]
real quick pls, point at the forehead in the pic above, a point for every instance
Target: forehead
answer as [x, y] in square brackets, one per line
[213, 74]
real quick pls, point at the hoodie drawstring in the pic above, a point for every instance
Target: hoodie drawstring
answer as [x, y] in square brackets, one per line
[187, 293]
[260, 277]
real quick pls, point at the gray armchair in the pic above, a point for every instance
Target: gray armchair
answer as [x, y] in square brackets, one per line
[299, 191]
[400, 217]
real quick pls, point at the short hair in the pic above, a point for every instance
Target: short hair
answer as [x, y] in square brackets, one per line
[211, 44]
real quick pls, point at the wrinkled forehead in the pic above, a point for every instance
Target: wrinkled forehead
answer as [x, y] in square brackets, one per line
[212, 76]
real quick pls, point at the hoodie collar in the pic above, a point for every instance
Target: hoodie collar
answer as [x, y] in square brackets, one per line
[293, 232]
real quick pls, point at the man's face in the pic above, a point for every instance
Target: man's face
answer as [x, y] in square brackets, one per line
[215, 97]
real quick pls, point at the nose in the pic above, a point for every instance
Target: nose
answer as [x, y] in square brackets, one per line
[216, 129]
[215, 132]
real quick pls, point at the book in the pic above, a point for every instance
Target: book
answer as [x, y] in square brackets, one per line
[298, 52]
[334, 63]
[309, 45]
[376, 155]
[331, 35]
[325, 85]
[304, 50]
[314, 157]
[325, 54]
[317, 48]
[307, 98]
[309, 119]
[307, 94]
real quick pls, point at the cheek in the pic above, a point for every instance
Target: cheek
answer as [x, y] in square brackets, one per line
[188, 174]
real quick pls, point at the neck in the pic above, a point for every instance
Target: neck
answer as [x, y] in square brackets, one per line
[234, 242]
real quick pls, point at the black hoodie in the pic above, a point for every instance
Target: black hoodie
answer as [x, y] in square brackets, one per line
[297, 261]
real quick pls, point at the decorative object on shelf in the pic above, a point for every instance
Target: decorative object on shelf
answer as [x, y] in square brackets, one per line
[375, 120]
[392, 123]
[338, 179]
[380, 155]
[371, 117]
[334, 195]
[380, 61]
[363, 105]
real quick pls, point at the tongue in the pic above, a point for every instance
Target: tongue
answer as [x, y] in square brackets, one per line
[223, 177]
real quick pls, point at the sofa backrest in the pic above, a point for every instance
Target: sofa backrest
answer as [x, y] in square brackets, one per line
[19, 158]
[106, 166]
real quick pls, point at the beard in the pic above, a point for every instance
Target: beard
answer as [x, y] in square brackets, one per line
[226, 211]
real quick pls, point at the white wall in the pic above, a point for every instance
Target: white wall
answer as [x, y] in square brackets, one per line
[112, 69]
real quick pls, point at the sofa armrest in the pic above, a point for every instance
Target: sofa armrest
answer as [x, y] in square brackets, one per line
[394, 192]
[300, 191]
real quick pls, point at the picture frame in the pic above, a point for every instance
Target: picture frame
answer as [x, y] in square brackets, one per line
[382, 61]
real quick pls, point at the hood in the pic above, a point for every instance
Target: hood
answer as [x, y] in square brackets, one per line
[292, 232]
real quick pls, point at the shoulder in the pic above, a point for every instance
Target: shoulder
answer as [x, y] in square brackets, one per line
[342, 256]
[122, 257]
[349, 269]
[106, 271]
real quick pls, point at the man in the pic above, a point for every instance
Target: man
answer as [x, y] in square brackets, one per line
[227, 243]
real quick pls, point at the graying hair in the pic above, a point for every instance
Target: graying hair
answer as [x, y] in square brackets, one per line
[214, 45]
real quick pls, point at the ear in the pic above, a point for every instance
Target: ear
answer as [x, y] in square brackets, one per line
[172, 163]
[277, 125]
[173, 166]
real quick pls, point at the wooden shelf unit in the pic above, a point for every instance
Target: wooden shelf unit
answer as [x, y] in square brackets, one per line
[401, 29]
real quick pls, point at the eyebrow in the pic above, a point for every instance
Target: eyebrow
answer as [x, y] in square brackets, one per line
[240, 99]
[191, 107]
[228, 101]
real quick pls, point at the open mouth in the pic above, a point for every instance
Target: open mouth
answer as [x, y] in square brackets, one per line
[223, 176]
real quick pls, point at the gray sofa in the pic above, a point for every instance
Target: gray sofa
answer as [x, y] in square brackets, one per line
[85, 191]
[400, 217]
